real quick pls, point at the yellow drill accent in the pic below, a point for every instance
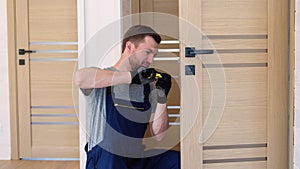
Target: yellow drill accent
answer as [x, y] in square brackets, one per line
[158, 76]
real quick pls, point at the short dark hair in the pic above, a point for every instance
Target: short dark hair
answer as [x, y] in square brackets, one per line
[137, 33]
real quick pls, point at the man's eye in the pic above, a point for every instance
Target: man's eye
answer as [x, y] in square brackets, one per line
[148, 52]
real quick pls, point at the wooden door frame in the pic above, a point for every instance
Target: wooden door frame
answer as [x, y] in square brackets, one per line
[273, 9]
[12, 60]
[292, 83]
[278, 48]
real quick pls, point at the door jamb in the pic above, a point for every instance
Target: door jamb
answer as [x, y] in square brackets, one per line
[13, 79]
[292, 82]
[277, 94]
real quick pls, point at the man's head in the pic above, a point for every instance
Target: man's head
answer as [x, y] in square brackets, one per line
[137, 33]
[140, 44]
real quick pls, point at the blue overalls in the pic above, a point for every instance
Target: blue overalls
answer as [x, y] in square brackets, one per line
[122, 146]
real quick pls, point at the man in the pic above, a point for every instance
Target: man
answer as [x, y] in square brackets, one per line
[123, 100]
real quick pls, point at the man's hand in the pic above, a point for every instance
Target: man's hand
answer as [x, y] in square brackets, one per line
[164, 85]
[144, 76]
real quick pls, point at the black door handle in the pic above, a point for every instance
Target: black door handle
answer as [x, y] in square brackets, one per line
[23, 51]
[191, 52]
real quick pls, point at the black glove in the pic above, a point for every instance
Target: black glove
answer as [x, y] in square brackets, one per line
[164, 85]
[144, 76]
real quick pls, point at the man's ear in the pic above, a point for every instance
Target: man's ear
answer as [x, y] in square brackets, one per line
[129, 45]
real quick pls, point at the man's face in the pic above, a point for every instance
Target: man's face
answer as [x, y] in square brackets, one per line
[143, 54]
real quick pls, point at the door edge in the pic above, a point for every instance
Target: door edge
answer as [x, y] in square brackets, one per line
[12, 80]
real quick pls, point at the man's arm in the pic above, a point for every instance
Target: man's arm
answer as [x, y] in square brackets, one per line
[159, 122]
[89, 78]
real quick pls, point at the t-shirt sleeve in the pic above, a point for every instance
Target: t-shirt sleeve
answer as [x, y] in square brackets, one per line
[87, 92]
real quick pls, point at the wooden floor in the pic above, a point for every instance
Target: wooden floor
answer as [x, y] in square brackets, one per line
[20, 164]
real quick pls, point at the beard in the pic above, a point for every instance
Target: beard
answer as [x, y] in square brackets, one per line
[134, 63]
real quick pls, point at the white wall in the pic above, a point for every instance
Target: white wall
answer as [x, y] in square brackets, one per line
[5, 150]
[96, 26]
[297, 90]
[101, 27]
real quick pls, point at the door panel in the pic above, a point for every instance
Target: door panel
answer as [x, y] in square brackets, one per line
[234, 17]
[242, 88]
[49, 86]
[66, 137]
[52, 21]
[48, 123]
[238, 126]
[166, 6]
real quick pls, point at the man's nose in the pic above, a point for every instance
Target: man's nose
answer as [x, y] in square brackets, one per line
[151, 59]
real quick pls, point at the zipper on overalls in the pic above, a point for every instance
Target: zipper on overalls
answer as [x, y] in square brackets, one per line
[131, 107]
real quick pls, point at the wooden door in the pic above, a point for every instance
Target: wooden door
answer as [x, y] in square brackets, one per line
[48, 123]
[233, 110]
[241, 101]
